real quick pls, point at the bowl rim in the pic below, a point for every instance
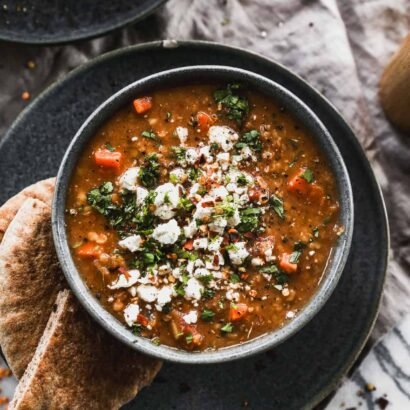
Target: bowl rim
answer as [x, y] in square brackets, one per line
[318, 131]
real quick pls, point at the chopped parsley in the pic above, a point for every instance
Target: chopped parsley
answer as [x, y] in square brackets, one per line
[207, 315]
[179, 153]
[241, 180]
[194, 173]
[235, 106]
[250, 139]
[249, 220]
[185, 204]
[280, 277]
[307, 175]
[189, 338]
[109, 147]
[234, 278]
[149, 173]
[150, 135]
[277, 205]
[297, 252]
[227, 328]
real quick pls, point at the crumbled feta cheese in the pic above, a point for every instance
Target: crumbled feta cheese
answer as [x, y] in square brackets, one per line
[191, 156]
[164, 297]
[193, 289]
[147, 293]
[126, 280]
[215, 261]
[166, 200]
[141, 194]
[133, 243]
[203, 211]
[205, 151]
[223, 158]
[231, 187]
[131, 313]
[177, 175]
[223, 136]
[218, 225]
[167, 233]
[257, 261]
[290, 314]
[129, 179]
[182, 134]
[201, 272]
[235, 219]
[133, 291]
[191, 229]
[191, 317]
[220, 192]
[238, 253]
[232, 295]
[215, 244]
[201, 243]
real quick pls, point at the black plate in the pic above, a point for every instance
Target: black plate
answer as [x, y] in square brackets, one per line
[303, 370]
[62, 21]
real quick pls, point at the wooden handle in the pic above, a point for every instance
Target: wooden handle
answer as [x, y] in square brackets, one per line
[395, 88]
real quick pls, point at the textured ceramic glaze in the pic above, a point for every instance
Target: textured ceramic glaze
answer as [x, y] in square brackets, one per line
[180, 76]
[302, 370]
[61, 21]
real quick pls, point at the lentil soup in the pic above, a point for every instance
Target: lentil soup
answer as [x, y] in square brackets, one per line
[202, 216]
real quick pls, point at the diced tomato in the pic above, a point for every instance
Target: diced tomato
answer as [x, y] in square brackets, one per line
[107, 159]
[254, 195]
[142, 320]
[286, 265]
[142, 105]
[89, 250]
[299, 185]
[238, 311]
[189, 245]
[204, 120]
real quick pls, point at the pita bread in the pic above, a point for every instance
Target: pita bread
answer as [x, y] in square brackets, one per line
[42, 190]
[77, 365]
[30, 279]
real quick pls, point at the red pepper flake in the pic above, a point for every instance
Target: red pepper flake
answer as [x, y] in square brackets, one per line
[25, 96]
[207, 204]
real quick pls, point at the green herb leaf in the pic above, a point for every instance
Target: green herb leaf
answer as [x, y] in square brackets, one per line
[249, 220]
[277, 204]
[307, 175]
[227, 328]
[207, 315]
[234, 105]
[151, 136]
[234, 278]
[189, 338]
[109, 147]
[250, 139]
[149, 173]
[179, 153]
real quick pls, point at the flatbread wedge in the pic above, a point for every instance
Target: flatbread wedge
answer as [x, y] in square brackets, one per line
[42, 190]
[77, 365]
[30, 279]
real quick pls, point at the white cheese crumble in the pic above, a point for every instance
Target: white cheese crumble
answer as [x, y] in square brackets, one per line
[133, 243]
[191, 156]
[182, 134]
[238, 253]
[125, 280]
[193, 289]
[201, 243]
[128, 180]
[141, 194]
[164, 296]
[166, 200]
[167, 233]
[223, 136]
[191, 229]
[147, 293]
[131, 313]
[191, 317]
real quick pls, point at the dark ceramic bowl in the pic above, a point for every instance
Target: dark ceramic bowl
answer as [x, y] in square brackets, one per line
[186, 75]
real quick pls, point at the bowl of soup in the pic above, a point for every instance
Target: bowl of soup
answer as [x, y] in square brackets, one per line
[203, 214]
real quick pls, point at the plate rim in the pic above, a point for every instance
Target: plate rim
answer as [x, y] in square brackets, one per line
[317, 397]
[38, 40]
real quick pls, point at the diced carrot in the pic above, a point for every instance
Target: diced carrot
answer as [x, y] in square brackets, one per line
[189, 245]
[204, 120]
[107, 159]
[298, 185]
[142, 320]
[286, 265]
[238, 311]
[89, 250]
[142, 105]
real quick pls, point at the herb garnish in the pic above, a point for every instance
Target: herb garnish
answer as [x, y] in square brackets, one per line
[250, 139]
[249, 220]
[150, 135]
[189, 338]
[149, 173]
[297, 252]
[179, 153]
[235, 106]
[207, 315]
[307, 175]
[280, 277]
[234, 278]
[109, 147]
[227, 328]
[277, 204]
